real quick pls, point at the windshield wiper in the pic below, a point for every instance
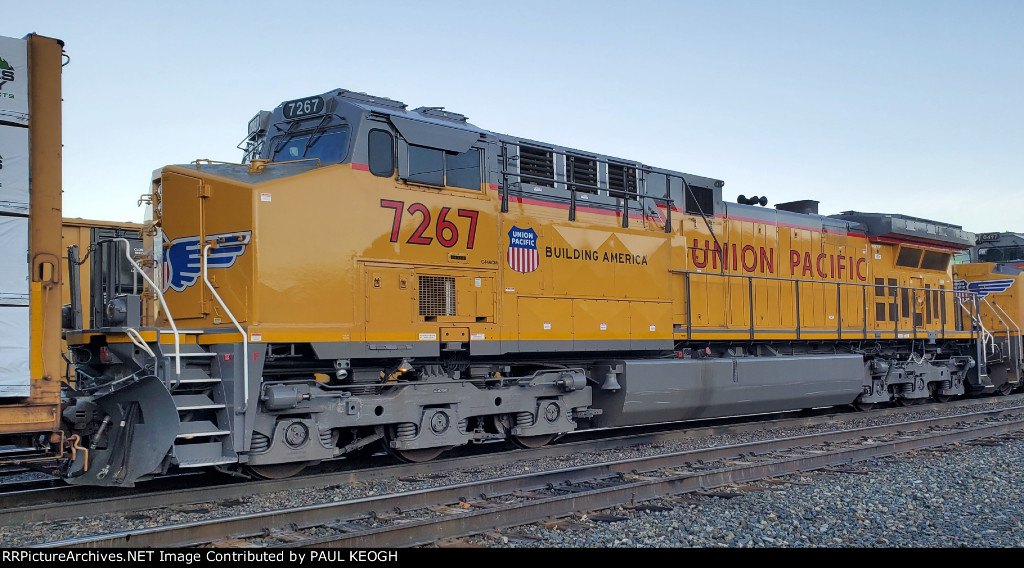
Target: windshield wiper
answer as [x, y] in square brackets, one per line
[317, 133]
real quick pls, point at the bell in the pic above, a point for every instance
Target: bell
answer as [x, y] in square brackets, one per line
[610, 382]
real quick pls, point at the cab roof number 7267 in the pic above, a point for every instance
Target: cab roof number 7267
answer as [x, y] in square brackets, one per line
[303, 107]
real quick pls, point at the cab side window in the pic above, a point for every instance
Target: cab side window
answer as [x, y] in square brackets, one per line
[382, 153]
[426, 165]
[463, 170]
[442, 168]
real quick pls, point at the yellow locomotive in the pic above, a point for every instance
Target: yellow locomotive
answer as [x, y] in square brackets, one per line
[991, 278]
[373, 274]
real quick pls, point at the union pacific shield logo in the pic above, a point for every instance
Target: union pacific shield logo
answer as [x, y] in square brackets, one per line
[960, 290]
[522, 253]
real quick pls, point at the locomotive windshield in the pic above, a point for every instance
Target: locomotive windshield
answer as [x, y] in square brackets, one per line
[327, 145]
[1001, 254]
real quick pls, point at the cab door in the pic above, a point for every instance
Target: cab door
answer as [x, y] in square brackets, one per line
[909, 308]
[917, 303]
[181, 202]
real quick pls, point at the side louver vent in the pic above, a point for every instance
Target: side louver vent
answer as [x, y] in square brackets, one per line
[536, 166]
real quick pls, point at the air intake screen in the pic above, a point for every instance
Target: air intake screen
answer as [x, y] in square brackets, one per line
[700, 200]
[582, 170]
[621, 178]
[537, 166]
[437, 296]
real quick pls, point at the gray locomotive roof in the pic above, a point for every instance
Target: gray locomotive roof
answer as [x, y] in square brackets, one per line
[410, 124]
[382, 105]
[774, 216]
[692, 179]
[893, 225]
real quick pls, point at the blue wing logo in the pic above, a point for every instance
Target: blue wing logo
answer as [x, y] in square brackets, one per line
[984, 287]
[183, 257]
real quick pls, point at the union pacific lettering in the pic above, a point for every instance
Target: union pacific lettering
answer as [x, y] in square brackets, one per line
[833, 266]
[744, 257]
[762, 260]
[522, 238]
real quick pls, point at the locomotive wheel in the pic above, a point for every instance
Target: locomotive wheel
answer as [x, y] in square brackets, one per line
[410, 456]
[863, 406]
[504, 422]
[943, 397]
[530, 442]
[907, 401]
[277, 470]
[1005, 389]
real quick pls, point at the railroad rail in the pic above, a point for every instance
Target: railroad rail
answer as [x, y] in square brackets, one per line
[428, 515]
[52, 500]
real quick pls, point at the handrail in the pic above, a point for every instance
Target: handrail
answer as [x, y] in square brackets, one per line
[976, 321]
[986, 335]
[245, 338]
[1020, 348]
[136, 338]
[160, 296]
[575, 187]
[998, 318]
[711, 230]
[269, 163]
[584, 187]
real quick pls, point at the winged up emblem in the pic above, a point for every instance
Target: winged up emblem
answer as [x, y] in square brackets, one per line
[982, 287]
[183, 258]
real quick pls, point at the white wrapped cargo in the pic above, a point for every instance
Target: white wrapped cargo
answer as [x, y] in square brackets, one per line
[15, 374]
[14, 194]
[14, 81]
[13, 260]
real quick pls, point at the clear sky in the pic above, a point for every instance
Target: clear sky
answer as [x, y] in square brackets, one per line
[897, 106]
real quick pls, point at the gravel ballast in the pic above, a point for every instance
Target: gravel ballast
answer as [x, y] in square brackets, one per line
[959, 495]
[965, 495]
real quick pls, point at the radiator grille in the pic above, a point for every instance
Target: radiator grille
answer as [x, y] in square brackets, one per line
[622, 178]
[437, 296]
[583, 171]
[536, 166]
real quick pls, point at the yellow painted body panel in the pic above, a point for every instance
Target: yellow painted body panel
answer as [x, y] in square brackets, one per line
[812, 283]
[1002, 313]
[338, 254]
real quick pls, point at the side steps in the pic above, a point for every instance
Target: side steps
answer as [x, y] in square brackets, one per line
[204, 435]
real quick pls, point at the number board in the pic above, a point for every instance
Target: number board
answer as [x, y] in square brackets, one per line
[303, 107]
[987, 237]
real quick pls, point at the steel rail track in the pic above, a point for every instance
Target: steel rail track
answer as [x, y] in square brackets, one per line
[70, 502]
[478, 506]
[73, 501]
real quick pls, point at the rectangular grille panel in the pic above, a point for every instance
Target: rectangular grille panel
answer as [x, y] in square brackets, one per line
[537, 166]
[622, 178]
[700, 200]
[437, 296]
[582, 170]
